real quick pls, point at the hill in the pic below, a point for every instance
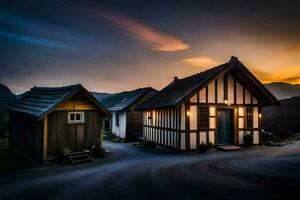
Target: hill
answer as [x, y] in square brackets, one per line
[6, 98]
[283, 121]
[283, 90]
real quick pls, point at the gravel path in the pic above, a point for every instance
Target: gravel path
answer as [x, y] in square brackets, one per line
[134, 173]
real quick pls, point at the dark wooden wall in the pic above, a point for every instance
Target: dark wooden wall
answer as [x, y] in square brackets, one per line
[134, 124]
[26, 142]
[60, 132]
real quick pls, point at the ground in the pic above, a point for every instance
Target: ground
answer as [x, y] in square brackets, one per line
[134, 173]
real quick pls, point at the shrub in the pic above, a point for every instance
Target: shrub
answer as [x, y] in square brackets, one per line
[210, 145]
[247, 140]
[202, 147]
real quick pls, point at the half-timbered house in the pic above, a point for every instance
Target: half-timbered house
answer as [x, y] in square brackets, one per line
[217, 106]
[46, 120]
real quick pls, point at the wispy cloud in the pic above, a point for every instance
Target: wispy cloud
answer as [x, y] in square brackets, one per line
[200, 61]
[34, 40]
[158, 41]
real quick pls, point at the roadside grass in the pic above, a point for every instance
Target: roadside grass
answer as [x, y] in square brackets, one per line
[113, 138]
[7, 166]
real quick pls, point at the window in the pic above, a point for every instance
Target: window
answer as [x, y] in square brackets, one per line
[203, 118]
[249, 117]
[117, 119]
[75, 117]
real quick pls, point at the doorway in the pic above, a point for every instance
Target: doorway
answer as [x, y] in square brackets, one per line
[225, 126]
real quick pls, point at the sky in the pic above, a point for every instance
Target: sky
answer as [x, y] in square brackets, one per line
[117, 45]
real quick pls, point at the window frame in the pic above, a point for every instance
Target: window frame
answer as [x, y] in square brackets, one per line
[249, 118]
[203, 117]
[75, 121]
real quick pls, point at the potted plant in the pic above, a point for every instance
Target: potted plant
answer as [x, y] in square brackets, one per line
[202, 147]
[247, 139]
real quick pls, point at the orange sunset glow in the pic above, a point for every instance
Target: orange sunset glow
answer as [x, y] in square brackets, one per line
[97, 44]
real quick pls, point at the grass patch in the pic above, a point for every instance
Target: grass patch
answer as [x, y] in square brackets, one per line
[7, 166]
[112, 137]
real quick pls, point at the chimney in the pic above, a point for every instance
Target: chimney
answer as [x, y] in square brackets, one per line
[175, 78]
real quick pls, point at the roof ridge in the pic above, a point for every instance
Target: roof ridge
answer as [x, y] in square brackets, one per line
[207, 70]
[55, 87]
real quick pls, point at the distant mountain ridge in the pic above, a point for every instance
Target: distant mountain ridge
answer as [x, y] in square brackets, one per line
[6, 96]
[283, 121]
[283, 90]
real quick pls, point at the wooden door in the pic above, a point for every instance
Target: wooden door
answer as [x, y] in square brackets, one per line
[225, 126]
[79, 137]
[76, 137]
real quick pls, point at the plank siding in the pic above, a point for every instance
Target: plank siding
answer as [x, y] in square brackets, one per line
[61, 134]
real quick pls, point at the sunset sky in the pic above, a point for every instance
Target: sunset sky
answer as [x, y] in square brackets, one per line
[112, 46]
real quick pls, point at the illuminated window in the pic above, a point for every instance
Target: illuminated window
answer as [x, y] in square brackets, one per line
[212, 111]
[241, 111]
[75, 117]
[203, 117]
[249, 117]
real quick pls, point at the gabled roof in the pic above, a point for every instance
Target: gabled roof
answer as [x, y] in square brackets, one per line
[40, 101]
[180, 90]
[124, 100]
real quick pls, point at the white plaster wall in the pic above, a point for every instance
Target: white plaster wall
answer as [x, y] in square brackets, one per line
[211, 137]
[212, 122]
[230, 89]
[247, 97]
[211, 92]
[182, 125]
[241, 135]
[194, 99]
[193, 141]
[202, 137]
[193, 117]
[239, 93]
[220, 90]
[121, 129]
[202, 95]
[255, 137]
[254, 100]
[182, 142]
[255, 117]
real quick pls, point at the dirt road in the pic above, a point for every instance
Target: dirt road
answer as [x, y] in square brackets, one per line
[134, 173]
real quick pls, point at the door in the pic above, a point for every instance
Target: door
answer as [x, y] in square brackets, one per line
[225, 126]
[76, 137]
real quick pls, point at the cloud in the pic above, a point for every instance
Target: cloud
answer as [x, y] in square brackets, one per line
[200, 61]
[34, 40]
[158, 41]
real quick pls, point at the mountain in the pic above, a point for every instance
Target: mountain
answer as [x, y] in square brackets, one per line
[6, 96]
[283, 90]
[284, 120]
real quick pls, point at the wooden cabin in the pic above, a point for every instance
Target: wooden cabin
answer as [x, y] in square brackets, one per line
[217, 106]
[46, 120]
[127, 122]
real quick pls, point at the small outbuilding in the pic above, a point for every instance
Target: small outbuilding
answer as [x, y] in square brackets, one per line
[46, 120]
[218, 106]
[127, 122]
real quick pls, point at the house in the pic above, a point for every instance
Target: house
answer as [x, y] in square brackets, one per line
[46, 120]
[126, 121]
[216, 106]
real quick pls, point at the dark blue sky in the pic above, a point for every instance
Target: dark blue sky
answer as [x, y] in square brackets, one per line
[111, 46]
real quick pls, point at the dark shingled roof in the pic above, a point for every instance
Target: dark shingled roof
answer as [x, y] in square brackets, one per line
[40, 101]
[125, 99]
[180, 90]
